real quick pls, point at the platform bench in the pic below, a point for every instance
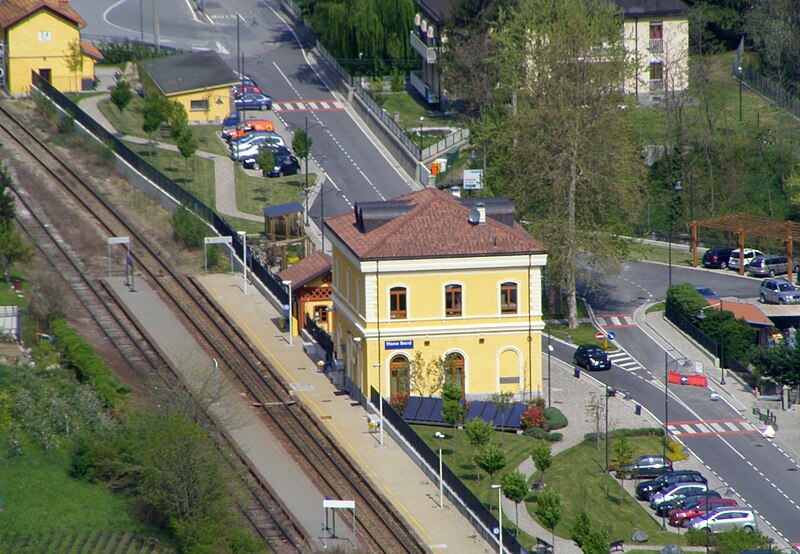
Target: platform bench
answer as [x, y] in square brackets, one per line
[617, 546]
[543, 547]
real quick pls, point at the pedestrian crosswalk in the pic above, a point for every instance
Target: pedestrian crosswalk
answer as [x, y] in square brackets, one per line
[623, 360]
[616, 321]
[711, 427]
[307, 106]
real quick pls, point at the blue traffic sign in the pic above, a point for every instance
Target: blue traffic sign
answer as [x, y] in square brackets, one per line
[611, 335]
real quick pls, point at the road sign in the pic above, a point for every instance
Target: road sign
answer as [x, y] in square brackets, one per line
[599, 335]
[612, 335]
[473, 179]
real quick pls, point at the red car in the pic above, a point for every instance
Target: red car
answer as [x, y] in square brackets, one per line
[680, 517]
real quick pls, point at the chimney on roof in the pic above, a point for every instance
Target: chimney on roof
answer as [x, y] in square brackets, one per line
[481, 207]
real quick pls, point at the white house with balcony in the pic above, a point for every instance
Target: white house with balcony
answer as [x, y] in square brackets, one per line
[426, 40]
[656, 33]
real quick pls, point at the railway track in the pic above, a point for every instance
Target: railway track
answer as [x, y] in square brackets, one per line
[265, 513]
[379, 527]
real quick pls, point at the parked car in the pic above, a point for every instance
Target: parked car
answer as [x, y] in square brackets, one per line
[747, 254]
[591, 356]
[253, 142]
[645, 488]
[277, 151]
[239, 91]
[680, 517]
[646, 467]
[676, 492]
[770, 266]
[707, 293]
[717, 257]
[686, 497]
[244, 82]
[252, 149]
[253, 102]
[284, 165]
[725, 519]
[246, 127]
[778, 291]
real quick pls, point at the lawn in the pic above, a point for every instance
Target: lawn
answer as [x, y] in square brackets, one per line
[199, 178]
[253, 193]
[584, 334]
[38, 495]
[129, 122]
[576, 475]
[641, 252]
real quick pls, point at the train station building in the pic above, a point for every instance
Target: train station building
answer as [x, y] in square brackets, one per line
[454, 280]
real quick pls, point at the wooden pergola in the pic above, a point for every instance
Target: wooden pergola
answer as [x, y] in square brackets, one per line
[283, 227]
[752, 225]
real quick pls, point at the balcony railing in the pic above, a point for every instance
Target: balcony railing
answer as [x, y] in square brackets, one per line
[656, 86]
[421, 48]
[656, 45]
[419, 85]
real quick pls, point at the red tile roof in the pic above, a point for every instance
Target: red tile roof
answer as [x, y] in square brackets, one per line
[748, 312]
[91, 51]
[14, 11]
[307, 269]
[435, 226]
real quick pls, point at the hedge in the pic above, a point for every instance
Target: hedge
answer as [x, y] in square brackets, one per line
[80, 357]
[541, 434]
[625, 432]
[554, 418]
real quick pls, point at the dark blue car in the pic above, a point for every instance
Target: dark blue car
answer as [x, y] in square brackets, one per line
[253, 102]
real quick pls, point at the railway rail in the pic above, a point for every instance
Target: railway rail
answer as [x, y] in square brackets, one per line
[379, 527]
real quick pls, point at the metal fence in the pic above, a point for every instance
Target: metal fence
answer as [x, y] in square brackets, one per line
[771, 89]
[709, 344]
[320, 335]
[183, 197]
[481, 518]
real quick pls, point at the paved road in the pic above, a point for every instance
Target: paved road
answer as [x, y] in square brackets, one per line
[356, 167]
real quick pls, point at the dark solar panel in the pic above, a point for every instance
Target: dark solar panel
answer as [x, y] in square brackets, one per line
[474, 410]
[436, 414]
[427, 408]
[412, 407]
[515, 418]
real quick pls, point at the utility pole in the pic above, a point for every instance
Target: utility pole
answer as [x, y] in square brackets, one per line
[155, 24]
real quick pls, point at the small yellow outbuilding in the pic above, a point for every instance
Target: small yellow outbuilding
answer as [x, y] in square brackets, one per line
[44, 36]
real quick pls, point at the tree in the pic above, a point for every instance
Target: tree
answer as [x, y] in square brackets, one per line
[47, 300]
[427, 377]
[121, 95]
[580, 528]
[491, 460]
[301, 144]
[74, 59]
[452, 412]
[548, 510]
[13, 249]
[779, 364]
[576, 65]
[152, 114]
[176, 116]
[479, 432]
[623, 451]
[502, 400]
[594, 411]
[515, 488]
[7, 203]
[542, 457]
[187, 146]
[595, 542]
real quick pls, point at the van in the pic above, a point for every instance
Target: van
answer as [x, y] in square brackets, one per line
[726, 519]
[770, 266]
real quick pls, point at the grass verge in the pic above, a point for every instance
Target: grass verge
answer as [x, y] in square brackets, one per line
[657, 307]
[254, 193]
[584, 334]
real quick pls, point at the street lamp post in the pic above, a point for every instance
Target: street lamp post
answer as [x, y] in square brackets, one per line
[421, 119]
[440, 436]
[609, 392]
[676, 188]
[243, 236]
[380, 397]
[549, 354]
[307, 153]
[500, 513]
[288, 285]
[666, 421]
[739, 71]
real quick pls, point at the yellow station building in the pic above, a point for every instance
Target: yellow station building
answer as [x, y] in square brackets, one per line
[44, 36]
[447, 277]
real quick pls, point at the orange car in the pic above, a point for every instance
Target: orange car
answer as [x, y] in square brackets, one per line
[243, 128]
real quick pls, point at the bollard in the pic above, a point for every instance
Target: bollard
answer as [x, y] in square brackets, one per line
[577, 373]
[637, 409]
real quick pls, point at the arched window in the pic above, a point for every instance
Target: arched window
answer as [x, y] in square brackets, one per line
[397, 303]
[508, 298]
[454, 370]
[400, 386]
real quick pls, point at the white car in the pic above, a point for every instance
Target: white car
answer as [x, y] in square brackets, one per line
[748, 254]
[676, 492]
[725, 519]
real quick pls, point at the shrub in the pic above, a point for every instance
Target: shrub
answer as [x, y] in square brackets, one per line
[554, 418]
[398, 81]
[675, 451]
[541, 434]
[188, 228]
[580, 528]
[66, 125]
[624, 432]
[398, 402]
[685, 299]
[533, 416]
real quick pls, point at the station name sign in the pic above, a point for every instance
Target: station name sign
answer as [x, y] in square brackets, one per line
[397, 344]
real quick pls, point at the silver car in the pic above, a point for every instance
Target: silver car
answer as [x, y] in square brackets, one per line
[725, 519]
[778, 291]
[770, 266]
[676, 492]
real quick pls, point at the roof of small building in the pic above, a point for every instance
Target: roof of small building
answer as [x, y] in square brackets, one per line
[632, 8]
[748, 312]
[438, 9]
[91, 51]
[271, 212]
[193, 71]
[14, 11]
[427, 224]
[306, 270]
